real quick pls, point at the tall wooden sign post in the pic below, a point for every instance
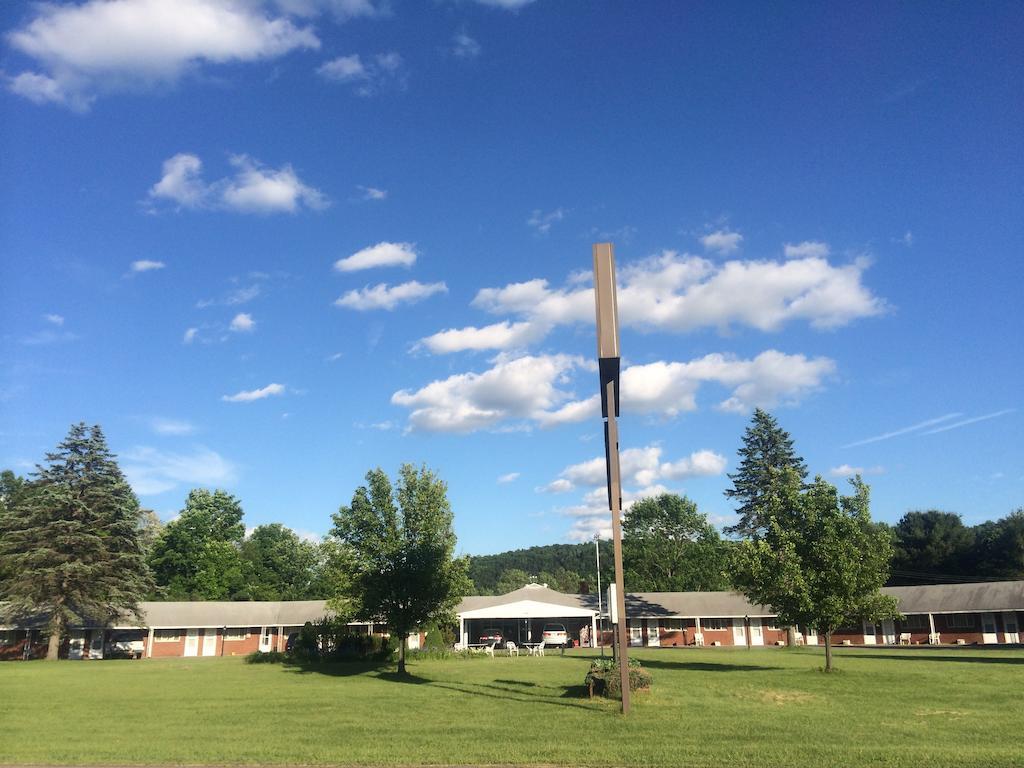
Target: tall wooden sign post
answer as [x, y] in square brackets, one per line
[608, 364]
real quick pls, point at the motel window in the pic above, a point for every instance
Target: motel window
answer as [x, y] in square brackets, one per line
[716, 623]
[7, 637]
[672, 625]
[959, 621]
[916, 621]
[236, 634]
[166, 635]
[771, 623]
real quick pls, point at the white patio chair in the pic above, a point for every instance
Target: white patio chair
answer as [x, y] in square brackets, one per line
[904, 638]
[537, 650]
[513, 649]
[489, 650]
[698, 639]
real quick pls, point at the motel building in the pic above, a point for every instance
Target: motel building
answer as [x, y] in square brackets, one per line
[981, 614]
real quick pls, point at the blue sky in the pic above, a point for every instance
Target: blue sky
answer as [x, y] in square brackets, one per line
[270, 245]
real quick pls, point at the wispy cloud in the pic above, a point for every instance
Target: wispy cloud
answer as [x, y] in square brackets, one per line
[247, 396]
[387, 297]
[373, 193]
[973, 420]
[904, 430]
[542, 222]
[151, 471]
[508, 478]
[242, 323]
[846, 470]
[57, 320]
[146, 265]
[383, 254]
[464, 46]
[366, 76]
[190, 335]
[175, 427]
[722, 241]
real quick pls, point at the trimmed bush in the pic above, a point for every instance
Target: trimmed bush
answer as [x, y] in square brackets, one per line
[603, 678]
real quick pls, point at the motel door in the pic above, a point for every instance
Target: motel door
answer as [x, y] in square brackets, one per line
[1010, 630]
[811, 636]
[653, 638]
[988, 629]
[209, 642]
[635, 632]
[96, 644]
[870, 634]
[888, 632]
[739, 637]
[267, 639]
[192, 642]
[756, 635]
[76, 644]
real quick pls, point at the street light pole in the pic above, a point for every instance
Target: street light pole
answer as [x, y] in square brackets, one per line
[608, 365]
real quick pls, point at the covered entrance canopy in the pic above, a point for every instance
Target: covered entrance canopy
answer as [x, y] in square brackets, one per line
[520, 616]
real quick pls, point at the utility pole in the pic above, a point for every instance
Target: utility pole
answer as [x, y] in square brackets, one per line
[608, 359]
[600, 613]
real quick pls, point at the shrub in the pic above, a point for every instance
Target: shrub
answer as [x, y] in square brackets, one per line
[266, 657]
[603, 678]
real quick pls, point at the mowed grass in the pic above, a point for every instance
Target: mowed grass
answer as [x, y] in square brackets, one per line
[708, 707]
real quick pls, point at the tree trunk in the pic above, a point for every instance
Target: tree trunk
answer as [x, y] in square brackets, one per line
[828, 651]
[791, 636]
[53, 648]
[402, 640]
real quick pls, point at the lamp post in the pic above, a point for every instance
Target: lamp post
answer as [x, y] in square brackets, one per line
[608, 365]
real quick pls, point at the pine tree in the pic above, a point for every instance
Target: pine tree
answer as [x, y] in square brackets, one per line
[766, 454]
[71, 541]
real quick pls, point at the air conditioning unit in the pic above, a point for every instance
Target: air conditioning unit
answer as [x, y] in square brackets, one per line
[847, 642]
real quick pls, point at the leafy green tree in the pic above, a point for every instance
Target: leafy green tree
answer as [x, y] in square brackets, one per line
[333, 573]
[999, 548]
[150, 528]
[71, 540]
[767, 453]
[198, 555]
[561, 580]
[511, 580]
[403, 545]
[821, 560]
[485, 570]
[932, 545]
[669, 546]
[12, 487]
[279, 565]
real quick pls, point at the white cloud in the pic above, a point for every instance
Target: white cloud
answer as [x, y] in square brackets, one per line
[508, 5]
[681, 293]
[534, 388]
[57, 320]
[175, 427]
[722, 241]
[150, 471]
[845, 470]
[234, 297]
[972, 420]
[383, 254]
[367, 77]
[252, 189]
[373, 193]
[105, 46]
[190, 335]
[593, 517]
[559, 485]
[904, 430]
[808, 249]
[464, 46]
[504, 335]
[242, 323]
[146, 265]
[258, 190]
[342, 10]
[640, 467]
[508, 478]
[520, 388]
[384, 296]
[254, 394]
[542, 222]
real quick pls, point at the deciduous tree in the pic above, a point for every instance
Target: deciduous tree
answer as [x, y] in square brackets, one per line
[279, 565]
[71, 540]
[821, 560]
[403, 545]
[198, 555]
[669, 546]
[932, 546]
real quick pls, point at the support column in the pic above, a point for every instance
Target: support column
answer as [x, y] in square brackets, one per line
[149, 644]
[463, 640]
[933, 636]
[593, 631]
[697, 631]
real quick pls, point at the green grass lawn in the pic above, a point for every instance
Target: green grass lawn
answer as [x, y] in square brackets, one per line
[720, 707]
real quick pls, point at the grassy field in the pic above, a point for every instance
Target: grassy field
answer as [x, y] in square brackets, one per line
[708, 707]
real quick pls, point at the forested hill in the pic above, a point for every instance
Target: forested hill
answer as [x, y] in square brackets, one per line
[560, 566]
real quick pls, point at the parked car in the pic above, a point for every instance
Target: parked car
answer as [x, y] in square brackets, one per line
[491, 636]
[555, 635]
[125, 645]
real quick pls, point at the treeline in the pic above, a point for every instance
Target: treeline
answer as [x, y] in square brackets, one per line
[935, 547]
[557, 565]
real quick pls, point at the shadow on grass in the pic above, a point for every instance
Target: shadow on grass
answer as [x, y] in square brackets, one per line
[517, 682]
[705, 666]
[932, 656]
[507, 693]
[336, 668]
[402, 677]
